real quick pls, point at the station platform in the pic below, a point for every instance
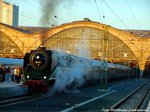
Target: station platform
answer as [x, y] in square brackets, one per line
[11, 89]
[90, 98]
[8, 84]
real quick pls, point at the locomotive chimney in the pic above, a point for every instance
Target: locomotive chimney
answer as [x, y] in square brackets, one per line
[41, 48]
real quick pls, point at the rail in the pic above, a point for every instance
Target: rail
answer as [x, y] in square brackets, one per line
[16, 99]
[144, 89]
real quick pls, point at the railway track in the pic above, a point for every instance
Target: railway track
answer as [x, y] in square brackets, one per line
[133, 101]
[17, 99]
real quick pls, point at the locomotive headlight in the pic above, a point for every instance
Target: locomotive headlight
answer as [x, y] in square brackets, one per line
[37, 57]
[45, 77]
[28, 76]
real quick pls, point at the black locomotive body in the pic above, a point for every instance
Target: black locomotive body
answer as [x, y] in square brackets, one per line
[38, 69]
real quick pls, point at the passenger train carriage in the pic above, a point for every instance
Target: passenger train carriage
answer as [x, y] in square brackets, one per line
[41, 65]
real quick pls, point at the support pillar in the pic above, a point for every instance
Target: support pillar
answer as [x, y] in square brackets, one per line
[142, 66]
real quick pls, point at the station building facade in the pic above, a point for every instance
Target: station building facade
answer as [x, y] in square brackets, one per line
[83, 38]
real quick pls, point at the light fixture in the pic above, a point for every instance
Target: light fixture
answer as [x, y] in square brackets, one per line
[45, 77]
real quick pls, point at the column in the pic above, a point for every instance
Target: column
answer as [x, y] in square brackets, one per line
[142, 66]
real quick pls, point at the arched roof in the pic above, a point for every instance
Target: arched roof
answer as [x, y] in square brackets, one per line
[26, 40]
[137, 45]
[10, 34]
[128, 39]
[23, 39]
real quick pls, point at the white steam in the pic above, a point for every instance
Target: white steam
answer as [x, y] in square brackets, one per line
[82, 45]
[72, 73]
[69, 73]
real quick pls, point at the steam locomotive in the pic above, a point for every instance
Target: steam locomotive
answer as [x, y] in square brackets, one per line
[41, 68]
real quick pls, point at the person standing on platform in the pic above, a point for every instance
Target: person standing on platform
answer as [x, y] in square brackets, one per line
[17, 74]
[21, 74]
[1, 74]
[12, 75]
[7, 74]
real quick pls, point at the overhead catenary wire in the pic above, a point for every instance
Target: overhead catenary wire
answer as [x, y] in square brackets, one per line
[116, 15]
[133, 15]
[98, 10]
[102, 8]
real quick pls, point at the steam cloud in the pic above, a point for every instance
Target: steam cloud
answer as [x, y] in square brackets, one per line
[75, 71]
[83, 43]
[68, 74]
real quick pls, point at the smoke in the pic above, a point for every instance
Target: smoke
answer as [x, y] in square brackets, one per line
[50, 9]
[49, 16]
